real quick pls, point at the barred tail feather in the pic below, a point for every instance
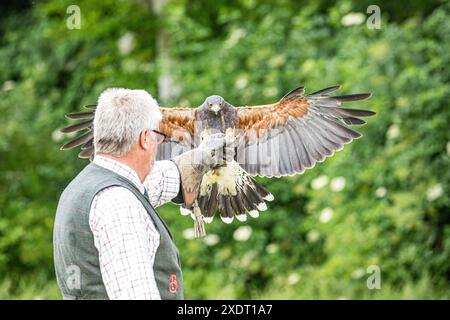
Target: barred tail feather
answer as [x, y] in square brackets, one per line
[233, 192]
[210, 204]
[263, 192]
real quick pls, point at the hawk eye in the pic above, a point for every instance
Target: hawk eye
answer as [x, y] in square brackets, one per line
[210, 104]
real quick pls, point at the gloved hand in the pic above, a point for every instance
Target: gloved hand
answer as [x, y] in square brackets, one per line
[213, 151]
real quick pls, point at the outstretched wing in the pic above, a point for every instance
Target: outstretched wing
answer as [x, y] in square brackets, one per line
[292, 135]
[178, 124]
[85, 127]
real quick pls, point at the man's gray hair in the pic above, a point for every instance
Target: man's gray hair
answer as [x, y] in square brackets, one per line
[120, 117]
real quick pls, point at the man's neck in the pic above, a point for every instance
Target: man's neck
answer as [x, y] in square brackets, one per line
[131, 162]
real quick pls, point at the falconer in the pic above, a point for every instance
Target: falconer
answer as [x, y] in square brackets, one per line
[109, 242]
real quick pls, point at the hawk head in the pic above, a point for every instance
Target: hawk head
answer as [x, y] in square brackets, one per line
[215, 104]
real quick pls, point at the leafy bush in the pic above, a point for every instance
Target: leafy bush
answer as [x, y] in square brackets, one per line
[384, 200]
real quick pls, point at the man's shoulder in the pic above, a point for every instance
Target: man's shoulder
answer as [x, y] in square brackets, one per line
[113, 195]
[115, 205]
[83, 189]
[91, 179]
[88, 176]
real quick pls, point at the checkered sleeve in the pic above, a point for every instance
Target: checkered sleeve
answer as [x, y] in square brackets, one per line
[163, 183]
[127, 242]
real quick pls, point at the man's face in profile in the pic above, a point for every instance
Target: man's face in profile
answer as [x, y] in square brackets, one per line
[152, 141]
[153, 149]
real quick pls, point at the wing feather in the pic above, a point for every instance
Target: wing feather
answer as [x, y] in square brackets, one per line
[178, 124]
[292, 135]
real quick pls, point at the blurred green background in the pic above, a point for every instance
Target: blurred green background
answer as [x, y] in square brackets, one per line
[383, 201]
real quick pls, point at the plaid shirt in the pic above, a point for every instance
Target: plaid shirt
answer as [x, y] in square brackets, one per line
[124, 233]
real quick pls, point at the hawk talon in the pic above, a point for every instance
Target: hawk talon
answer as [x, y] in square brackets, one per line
[199, 224]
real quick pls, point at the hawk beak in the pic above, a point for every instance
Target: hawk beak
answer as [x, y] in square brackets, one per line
[215, 108]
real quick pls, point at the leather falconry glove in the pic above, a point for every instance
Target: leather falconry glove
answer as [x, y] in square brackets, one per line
[194, 164]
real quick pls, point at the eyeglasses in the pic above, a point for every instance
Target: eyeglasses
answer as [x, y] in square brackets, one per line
[160, 137]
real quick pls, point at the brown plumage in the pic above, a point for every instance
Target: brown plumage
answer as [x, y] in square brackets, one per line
[177, 119]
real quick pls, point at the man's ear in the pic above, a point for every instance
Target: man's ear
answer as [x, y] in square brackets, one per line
[144, 139]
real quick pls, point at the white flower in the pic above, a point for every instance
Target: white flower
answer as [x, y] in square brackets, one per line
[270, 91]
[57, 136]
[380, 192]
[313, 236]
[338, 184]
[189, 233]
[40, 67]
[241, 82]
[242, 233]
[393, 132]
[358, 273]
[448, 148]
[403, 102]
[234, 38]
[247, 258]
[126, 43]
[277, 61]
[434, 192]
[8, 85]
[272, 248]
[319, 182]
[211, 239]
[326, 215]
[293, 278]
[353, 19]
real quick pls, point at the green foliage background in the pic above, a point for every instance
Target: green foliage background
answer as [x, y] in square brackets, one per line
[393, 211]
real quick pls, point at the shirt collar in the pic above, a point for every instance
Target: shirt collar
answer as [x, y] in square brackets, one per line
[121, 169]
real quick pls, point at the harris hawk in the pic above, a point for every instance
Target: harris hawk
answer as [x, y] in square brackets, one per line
[274, 140]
